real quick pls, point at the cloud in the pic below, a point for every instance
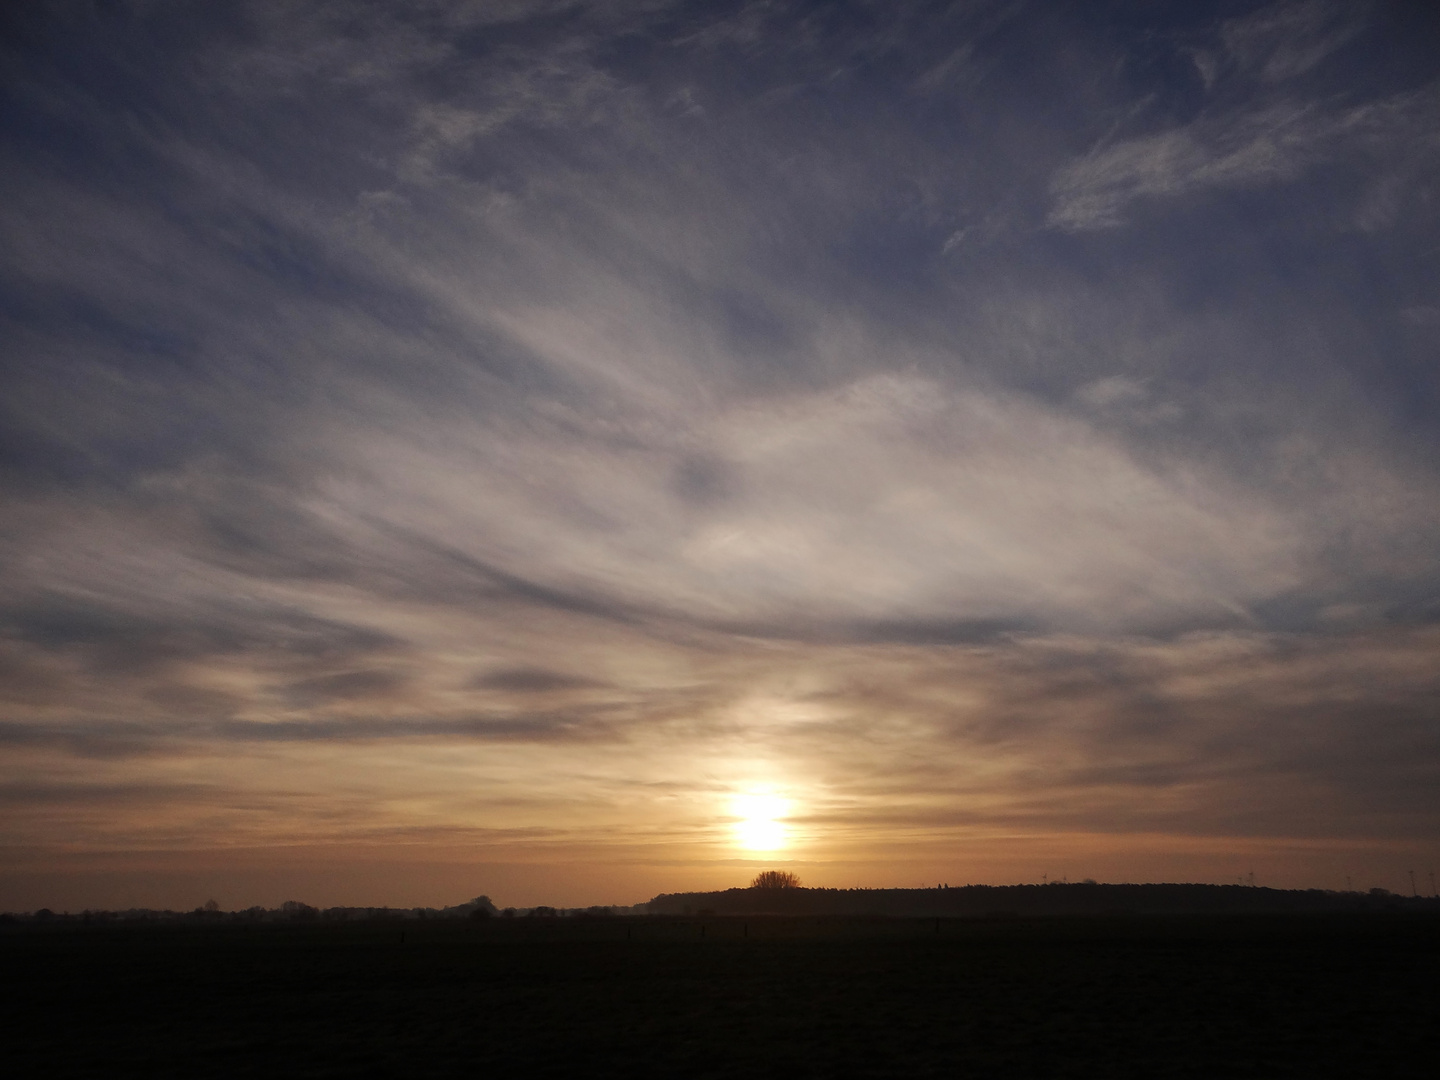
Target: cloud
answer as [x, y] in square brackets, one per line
[1285, 40]
[1271, 137]
[541, 421]
[1111, 390]
[1212, 734]
[532, 680]
[1269, 146]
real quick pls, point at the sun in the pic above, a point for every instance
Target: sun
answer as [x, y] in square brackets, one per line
[760, 824]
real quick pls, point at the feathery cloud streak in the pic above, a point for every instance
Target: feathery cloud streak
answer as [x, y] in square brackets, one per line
[495, 417]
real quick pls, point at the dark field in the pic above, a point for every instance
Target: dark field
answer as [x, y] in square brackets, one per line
[1159, 996]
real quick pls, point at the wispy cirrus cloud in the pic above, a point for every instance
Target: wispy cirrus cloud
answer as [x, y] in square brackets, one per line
[543, 421]
[1268, 146]
[1286, 40]
[1244, 136]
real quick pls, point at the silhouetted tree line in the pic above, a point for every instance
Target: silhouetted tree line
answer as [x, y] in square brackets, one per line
[291, 911]
[779, 892]
[981, 901]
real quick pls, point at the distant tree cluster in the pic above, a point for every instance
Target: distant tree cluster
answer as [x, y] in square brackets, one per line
[775, 879]
[297, 911]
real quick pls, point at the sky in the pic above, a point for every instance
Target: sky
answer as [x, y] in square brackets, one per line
[570, 451]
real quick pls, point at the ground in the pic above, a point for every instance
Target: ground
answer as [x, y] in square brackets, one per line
[1199, 997]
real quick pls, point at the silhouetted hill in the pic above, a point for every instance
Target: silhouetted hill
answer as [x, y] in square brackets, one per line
[981, 901]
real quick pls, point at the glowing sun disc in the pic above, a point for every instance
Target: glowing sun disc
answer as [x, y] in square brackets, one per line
[760, 827]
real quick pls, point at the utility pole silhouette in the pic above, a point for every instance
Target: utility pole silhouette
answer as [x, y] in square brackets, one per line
[1413, 890]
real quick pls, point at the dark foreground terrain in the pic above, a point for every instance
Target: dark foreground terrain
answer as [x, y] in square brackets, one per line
[1202, 996]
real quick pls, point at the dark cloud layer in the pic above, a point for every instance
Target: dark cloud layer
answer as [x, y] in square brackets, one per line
[982, 419]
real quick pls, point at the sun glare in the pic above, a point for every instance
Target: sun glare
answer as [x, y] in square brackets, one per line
[760, 825]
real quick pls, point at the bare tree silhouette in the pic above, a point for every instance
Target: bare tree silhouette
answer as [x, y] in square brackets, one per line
[775, 879]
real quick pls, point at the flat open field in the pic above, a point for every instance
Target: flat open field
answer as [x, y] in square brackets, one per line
[1159, 996]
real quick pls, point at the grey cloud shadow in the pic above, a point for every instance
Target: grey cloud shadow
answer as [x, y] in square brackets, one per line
[100, 739]
[532, 680]
[464, 575]
[841, 631]
[344, 686]
[194, 701]
[106, 739]
[938, 631]
[33, 793]
[703, 480]
[542, 727]
[119, 641]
